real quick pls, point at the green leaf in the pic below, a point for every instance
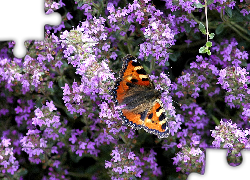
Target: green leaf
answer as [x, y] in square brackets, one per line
[198, 5]
[202, 28]
[79, 4]
[219, 29]
[187, 27]
[197, 36]
[67, 25]
[211, 36]
[216, 120]
[174, 56]
[244, 64]
[209, 44]
[203, 49]
[229, 12]
[210, 2]
[167, 64]
[208, 52]
[177, 12]
[22, 172]
[61, 82]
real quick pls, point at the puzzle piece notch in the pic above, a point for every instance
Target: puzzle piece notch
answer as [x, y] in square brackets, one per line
[23, 20]
[217, 167]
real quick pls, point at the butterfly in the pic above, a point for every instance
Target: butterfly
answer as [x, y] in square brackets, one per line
[143, 106]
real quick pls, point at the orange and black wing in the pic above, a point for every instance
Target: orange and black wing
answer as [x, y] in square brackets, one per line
[131, 76]
[143, 107]
[156, 120]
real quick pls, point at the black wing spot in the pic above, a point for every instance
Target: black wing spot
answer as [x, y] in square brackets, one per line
[158, 109]
[162, 116]
[130, 84]
[145, 79]
[141, 71]
[134, 80]
[135, 63]
[150, 116]
[164, 126]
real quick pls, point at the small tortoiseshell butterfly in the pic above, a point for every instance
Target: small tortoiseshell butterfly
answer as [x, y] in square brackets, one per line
[143, 109]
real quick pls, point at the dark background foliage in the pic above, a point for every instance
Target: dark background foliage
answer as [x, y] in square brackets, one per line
[229, 24]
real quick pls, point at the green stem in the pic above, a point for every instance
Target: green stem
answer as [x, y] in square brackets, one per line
[123, 138]
[234, 26]
[152, 64]
[222, 15]
[238, 32]
[128, 45]
[238, 26]
[206, 19]
[194, 18]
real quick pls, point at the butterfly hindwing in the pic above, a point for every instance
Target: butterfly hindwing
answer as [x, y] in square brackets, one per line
[128, 115]
[156, 121]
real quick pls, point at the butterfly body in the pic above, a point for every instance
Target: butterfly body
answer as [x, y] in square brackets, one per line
[143, 107]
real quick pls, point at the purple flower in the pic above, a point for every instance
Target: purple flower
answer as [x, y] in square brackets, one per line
[131, 155]
[108, 164]
[51, 106]
[69, 16]
[244, 12]
[73, 139]
[7, 159]
[56, 163]
[116, 155]
[117, 169]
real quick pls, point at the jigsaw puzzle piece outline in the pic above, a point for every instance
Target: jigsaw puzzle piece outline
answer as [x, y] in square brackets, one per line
[28, 20]
[217, 167]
